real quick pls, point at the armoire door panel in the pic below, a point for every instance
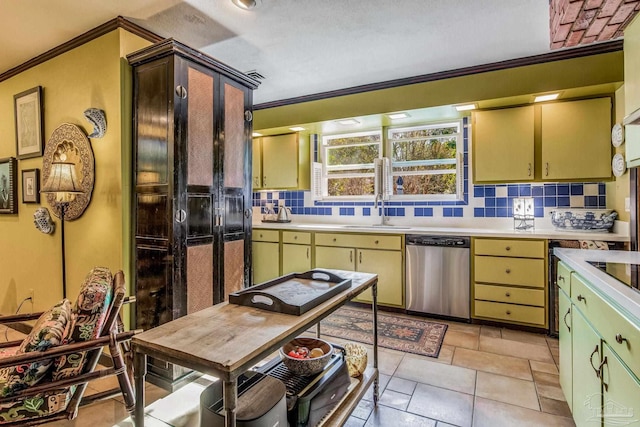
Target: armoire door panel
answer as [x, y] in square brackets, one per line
[152, 276]
[233, 267]
[200, 128]
[199, 215]
[151, 219]
[233, 212]
[199, 277]
[235, 142]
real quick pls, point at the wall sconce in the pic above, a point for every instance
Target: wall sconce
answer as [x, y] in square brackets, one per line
[523, 217]
[63, 184]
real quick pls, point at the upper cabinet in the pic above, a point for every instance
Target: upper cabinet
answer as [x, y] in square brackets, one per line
[503, 145]
[632, 93]
[576, 140]
[280, 162]
[560, 141]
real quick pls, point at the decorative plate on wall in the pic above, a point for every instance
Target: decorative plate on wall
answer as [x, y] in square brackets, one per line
[69, 143]
[618, 165]
[617, 135]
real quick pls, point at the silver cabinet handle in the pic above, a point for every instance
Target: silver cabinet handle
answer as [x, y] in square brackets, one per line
[180, 216]
[181, 91]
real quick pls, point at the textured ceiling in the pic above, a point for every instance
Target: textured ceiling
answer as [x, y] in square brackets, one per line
[302, 47]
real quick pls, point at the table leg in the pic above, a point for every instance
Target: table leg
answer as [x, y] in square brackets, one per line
[376, 381]
[230, 397]
[140, 371]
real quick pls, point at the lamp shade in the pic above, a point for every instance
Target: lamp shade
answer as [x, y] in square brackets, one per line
[62, 179]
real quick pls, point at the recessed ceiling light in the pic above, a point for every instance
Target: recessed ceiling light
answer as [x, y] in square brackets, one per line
[246, 4]
[547, 97]
[466, 107]
[347, 122]
[395, 116]
[297, 128]
[256, 134]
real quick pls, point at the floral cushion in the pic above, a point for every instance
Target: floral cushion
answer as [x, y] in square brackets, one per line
[50, 329]
[47, 403]
[89, 314]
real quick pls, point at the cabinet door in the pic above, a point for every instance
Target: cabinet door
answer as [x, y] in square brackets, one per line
[576, 139]
[621, 392]
[266, 261]
[503, 145]
[295, 258]
[564, 330]
[280, 161]
[586, 357]
[338, 258]
[388, 266]
[256, 163]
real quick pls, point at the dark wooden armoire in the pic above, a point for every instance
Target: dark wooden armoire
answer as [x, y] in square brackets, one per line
[192, 123]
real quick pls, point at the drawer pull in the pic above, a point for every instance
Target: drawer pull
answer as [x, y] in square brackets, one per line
[581, 298]
[376, 242]
[508, 312]
[561, 278]
[350, 256]
[507, 294]
[508, 270]
[565, 319]
[334, 239]
[295, 237]
[508, 248]
[307, 253]
[591, 362]
[620, 339]
[261, 236]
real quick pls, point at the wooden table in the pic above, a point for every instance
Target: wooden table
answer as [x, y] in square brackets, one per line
[228, 339]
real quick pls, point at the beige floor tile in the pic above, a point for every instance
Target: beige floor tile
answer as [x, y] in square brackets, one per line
[383, 416]
[507, 390]
[528, 337]
[549, 368]
[446, 376]
[553, 342]
[553, 406]
[461, 327]
[461, 339]
[100, 414]
[550, 391]
[491, 331]
[446, 354]
[442, 405]
[489, 413]
[388, 360]
[495, 363]
[546, 378]
[516, 348]
[394, 399]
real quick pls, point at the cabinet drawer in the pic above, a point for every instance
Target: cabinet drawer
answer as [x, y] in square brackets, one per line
[301, 238]
[609, 323]
[510, 312]
[564, 278]
[512, 248]
[265, 236]
[510, 271]
[509, 294]
[368, 241]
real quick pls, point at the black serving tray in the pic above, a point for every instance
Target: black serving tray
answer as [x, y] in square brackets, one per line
[295, 293]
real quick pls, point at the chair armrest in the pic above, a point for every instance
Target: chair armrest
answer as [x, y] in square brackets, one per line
[10, 344]
[14, 318]
[61, 350]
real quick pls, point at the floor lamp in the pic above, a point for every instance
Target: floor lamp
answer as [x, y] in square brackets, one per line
[62, 182]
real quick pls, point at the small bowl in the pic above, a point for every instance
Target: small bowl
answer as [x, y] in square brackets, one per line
[306, 367]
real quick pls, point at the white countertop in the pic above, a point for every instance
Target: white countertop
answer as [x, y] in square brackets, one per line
[621, 296]
[448, 231]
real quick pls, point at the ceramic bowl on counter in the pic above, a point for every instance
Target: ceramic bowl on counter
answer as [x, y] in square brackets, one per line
[593, 220]
[307, 365]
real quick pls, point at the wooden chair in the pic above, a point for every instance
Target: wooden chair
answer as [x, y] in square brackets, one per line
[59, 393]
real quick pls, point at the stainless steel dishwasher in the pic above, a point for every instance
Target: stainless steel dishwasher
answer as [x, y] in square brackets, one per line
[437, 275]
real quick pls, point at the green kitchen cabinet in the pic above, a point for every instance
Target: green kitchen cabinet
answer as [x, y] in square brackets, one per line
[503, 145]
[586, 357]
[265, 247]
[338, 258]
[281, 162]
[576, 140]
[256, 164]
[565, 342]
[296, 252]
[621, 392]
[632, 93]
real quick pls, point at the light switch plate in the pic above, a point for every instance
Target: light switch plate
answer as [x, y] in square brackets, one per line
[627, 204]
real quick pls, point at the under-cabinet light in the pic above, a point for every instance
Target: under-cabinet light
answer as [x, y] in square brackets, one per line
[254, 134]
[547, 97]
[396, 116]
[297, 128]
[347, 122]
[466, 107]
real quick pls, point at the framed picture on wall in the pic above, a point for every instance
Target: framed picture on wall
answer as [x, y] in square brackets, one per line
[31, 186]
[28, 114]
[8, 196]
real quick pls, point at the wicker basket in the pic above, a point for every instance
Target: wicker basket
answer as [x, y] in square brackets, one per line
[356, 358]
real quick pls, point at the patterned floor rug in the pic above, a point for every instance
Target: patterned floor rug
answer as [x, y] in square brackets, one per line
[395, 332]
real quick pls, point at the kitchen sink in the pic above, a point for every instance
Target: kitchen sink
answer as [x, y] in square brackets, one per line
[379, 226]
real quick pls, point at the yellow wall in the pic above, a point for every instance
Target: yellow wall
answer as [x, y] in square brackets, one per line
[618, 189]
[92, 75]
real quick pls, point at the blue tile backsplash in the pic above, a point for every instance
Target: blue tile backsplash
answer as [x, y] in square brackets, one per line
[489, 201]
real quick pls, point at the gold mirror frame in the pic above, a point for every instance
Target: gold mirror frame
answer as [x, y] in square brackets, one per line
[68, 142]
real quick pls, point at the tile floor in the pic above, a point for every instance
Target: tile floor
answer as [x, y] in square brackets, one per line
[484, 376]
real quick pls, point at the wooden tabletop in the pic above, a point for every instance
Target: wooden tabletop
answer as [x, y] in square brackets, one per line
[227, 339]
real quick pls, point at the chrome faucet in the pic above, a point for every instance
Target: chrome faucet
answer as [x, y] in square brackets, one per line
[383, 217]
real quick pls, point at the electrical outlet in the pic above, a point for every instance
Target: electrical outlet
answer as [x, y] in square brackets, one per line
[627, 204]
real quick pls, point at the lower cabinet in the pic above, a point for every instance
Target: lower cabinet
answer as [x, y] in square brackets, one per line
[586, 357]
[265, 247]
[621, 391]
[566, 356]
[296, 252]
